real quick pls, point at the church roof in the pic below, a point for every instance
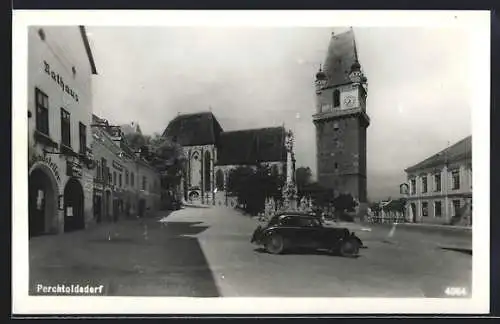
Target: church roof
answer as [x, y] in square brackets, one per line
[250, 146]
[458, 151]
[341, 56]
[194, 129]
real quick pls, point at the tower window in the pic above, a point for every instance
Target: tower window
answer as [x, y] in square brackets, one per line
[336, 126]
[336, 165]
[336, 98]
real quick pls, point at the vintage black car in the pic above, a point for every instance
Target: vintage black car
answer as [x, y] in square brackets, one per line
[288, 231]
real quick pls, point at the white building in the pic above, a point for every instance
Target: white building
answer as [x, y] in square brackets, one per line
[60, 69]
[440, 187]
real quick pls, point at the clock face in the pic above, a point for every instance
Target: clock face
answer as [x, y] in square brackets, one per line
[349, 101]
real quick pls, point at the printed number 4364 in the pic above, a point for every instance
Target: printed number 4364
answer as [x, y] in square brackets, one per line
[456, 291]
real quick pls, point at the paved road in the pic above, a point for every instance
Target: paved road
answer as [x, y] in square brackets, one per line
[397, 264]
[206, 252]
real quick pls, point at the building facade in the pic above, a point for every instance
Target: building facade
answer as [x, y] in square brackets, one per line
[212, 153]
[125, 185]
[440, 187]
[148, 189]
[341, 120]
[60, 167]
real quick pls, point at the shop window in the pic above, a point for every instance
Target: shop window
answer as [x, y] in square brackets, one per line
[42, 112]
[456, 207]
[425, 209]
[438, 212]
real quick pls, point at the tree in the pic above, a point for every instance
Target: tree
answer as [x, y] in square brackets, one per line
[166, 156]
[303, 177]
[398, 205]
[321, 196]
[252, 185]
[136, 140]
[344, 203]
[239, 184]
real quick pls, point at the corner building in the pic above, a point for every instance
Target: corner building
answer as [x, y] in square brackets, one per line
[341, 120]
[441, 187]
[60, 69]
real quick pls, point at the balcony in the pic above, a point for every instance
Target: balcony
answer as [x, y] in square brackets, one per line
[66, 150]
[45, 139]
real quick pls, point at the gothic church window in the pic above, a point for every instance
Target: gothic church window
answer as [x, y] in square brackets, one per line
[207, 171]
[336, 98]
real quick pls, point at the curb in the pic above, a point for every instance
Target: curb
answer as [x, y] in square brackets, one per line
[197, 206]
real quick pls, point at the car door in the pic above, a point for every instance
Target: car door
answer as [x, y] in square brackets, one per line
[291, 228]
[312, 232]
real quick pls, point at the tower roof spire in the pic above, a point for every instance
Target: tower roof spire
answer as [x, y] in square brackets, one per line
[340, 59]
[354, 44]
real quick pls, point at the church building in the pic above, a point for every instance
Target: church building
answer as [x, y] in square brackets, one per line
[212, 153]
[341, 120]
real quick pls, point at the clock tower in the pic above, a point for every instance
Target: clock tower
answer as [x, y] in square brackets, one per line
[341, 120]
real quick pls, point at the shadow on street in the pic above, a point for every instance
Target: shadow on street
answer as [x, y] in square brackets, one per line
[130, 258]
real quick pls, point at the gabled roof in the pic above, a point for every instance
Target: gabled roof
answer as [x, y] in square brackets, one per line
[86, 43]
[246, 147]
[341, 56]
[458, 151]
[194, 129]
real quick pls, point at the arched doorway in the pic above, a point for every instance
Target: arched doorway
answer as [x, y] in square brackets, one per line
[73, 206]
[219, 180]
[41, 201]
[413, 212]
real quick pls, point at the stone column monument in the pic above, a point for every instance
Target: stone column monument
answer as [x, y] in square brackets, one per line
[289, 189]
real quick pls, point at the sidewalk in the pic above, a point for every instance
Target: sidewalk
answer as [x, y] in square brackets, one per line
[138, 257]
[194, 205]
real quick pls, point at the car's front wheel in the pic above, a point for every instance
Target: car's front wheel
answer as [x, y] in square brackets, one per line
[349, 248]
[275, 244]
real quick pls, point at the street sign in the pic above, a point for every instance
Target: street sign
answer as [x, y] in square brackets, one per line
[73, 169]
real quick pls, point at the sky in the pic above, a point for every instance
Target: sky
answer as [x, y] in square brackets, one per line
[418, 91]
